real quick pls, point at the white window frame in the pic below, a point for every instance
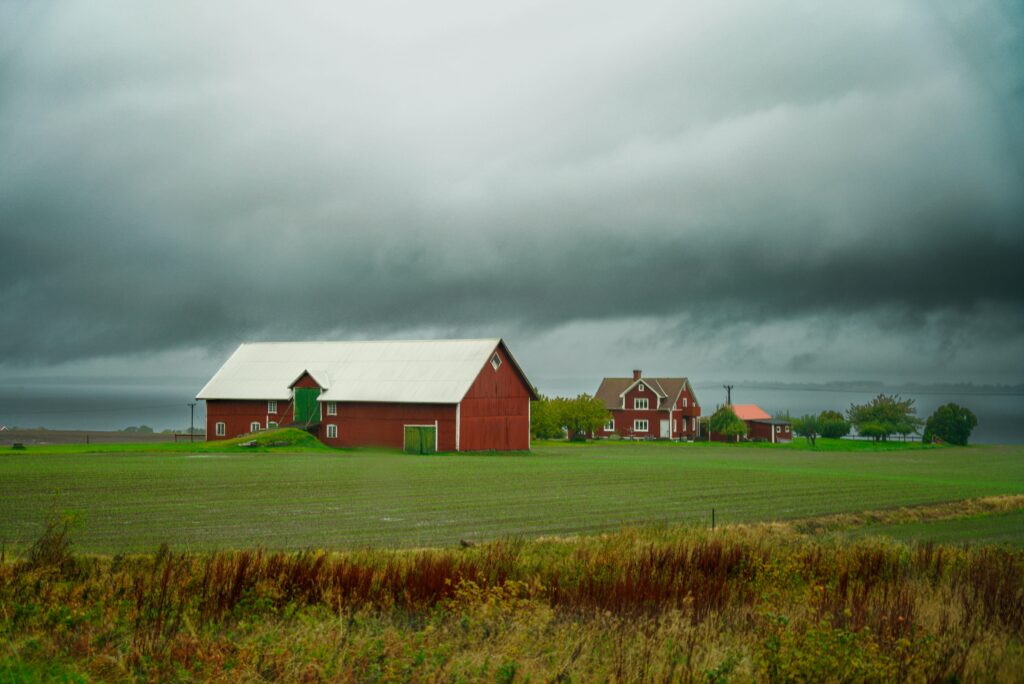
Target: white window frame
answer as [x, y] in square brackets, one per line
[640, 387]
[220, 429]
[693, 424]
[610, 426]
[638, 407]
[675, 425]
[332, 408]
[778, 429]
[332, 431]
[271, 406]
[636, 425]
[684, 402]
[254, 426]
[495, 361]
[271, 424]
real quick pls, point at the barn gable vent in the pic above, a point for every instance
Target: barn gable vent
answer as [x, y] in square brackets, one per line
[495, 361]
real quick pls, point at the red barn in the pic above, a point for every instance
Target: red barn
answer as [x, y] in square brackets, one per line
[649, 408]
[760, 425]
[429, 395]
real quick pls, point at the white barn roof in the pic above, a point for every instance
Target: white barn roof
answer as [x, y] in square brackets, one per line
[422, 371]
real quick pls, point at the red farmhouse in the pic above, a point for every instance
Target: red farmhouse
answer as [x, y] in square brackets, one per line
[430, 395]
[649, 408]
[760, 426]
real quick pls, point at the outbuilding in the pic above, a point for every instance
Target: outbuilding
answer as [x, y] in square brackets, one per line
[760, 425]
[424, 395]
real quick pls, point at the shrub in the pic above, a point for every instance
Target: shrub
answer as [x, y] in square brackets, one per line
[951, 423]
[52, 549]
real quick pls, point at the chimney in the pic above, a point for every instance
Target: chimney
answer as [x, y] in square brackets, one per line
[636, 375]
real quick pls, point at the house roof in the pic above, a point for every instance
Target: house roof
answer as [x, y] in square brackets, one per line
[611, 390]
[416, 371]
[750, 412]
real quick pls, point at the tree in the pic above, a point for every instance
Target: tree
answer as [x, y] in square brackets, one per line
[141, 428]
[583, 415]
[950, 423]
[883, 416]
[550, 418]
[833, 425]
[808, 426]
[725, 422]
[545, 421]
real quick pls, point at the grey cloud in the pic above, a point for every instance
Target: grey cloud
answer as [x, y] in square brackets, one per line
[211, 175]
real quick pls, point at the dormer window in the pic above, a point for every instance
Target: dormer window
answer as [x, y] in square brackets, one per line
[495, 361]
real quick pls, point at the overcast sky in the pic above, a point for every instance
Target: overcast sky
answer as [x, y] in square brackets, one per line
[744, 190]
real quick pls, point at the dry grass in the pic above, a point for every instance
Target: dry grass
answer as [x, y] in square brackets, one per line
[670, 604]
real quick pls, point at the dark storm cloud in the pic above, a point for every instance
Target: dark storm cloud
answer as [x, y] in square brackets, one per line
[209, 175]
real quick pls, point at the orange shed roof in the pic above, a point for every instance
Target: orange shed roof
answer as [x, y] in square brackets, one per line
[749, 412]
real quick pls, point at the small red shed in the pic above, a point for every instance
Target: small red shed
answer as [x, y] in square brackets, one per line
[760, 425]
[426, 395]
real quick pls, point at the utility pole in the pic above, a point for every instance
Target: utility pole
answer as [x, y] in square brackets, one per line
[728, 394]
[192, 421]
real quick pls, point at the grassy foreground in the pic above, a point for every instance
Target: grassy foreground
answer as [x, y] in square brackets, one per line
[225, 496]
[760, 603]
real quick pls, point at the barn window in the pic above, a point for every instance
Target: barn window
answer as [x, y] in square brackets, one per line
[640, 404]
[220, 429]
[271, 424]
[271, 407]
[639, 425]
[778, 429]
[332, 407]
[332, 430]
[495, 361]
[254, 426]
[610, 426]
[640, 387]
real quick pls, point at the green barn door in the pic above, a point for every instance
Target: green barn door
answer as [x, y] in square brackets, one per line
[307, 408]
[420, 439]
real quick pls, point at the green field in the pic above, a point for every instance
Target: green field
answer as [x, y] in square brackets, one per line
[136, 500]
[1003, 528]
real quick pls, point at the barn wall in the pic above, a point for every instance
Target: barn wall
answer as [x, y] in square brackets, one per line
[237, 415]
[380, 424]
[495, 413]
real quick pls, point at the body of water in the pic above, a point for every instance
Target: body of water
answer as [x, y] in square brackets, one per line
[99, 407]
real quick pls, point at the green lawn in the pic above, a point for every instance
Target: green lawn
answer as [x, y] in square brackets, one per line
[343, 499]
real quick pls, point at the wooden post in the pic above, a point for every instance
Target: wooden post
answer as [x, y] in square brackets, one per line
[712, 518]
